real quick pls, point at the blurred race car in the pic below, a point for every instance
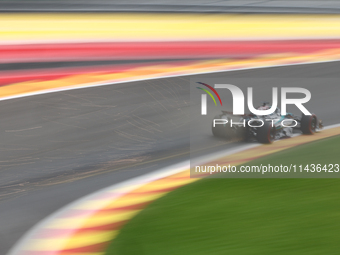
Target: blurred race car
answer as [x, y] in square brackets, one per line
[263, 128]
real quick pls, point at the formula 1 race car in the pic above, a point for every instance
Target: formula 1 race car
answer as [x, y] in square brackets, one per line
[264, 129]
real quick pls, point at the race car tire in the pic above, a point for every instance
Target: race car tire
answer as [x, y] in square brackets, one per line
[266, 133]
[308, 124]
[220, 130]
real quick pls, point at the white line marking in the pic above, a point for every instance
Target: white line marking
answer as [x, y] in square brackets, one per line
[332, 126]
[91, 85]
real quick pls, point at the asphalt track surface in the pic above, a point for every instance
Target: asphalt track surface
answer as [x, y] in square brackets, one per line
[58, 147]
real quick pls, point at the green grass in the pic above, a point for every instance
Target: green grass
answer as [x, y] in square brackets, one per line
[243, 216]
[323, 152]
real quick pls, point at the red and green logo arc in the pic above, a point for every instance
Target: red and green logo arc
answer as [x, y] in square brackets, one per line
[208, 92]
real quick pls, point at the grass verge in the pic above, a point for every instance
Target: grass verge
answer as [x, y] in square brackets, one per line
[244, 216]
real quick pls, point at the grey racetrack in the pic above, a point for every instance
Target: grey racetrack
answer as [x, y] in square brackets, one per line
[61, 146]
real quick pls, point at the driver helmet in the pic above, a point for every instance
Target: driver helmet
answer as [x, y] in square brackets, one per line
[267, 106]
[264, 106]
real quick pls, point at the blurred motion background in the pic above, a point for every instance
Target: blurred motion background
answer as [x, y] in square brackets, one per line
[56, 148]
[91, 42]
